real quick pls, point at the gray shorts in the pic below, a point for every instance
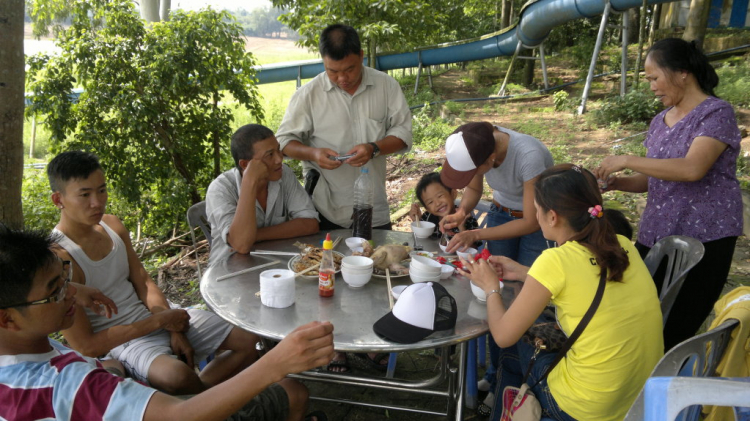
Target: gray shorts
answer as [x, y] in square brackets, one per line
[207, 331]
[270, 405]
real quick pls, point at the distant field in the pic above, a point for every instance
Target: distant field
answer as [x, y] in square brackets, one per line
[276, 50]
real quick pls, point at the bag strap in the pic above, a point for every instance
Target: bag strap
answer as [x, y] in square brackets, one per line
[576, 333]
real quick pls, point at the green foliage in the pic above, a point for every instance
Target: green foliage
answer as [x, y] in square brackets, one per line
[386, 25]
[635, 106]
[734, 85]
[560, 152]
[38, 210]
[562, 100]
[262, 22]
[429, 132]
[454, 107]
[154, 103]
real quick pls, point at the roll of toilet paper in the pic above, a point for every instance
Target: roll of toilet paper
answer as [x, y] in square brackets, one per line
[277, 288]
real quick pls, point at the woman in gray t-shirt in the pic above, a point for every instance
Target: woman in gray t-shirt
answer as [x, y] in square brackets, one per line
[511, 162]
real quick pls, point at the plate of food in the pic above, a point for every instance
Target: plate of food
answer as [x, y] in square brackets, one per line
[310, 256]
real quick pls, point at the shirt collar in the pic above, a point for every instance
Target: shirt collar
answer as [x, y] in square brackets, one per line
[367, 80]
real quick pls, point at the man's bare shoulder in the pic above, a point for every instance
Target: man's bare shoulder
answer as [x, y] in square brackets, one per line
[116, 225]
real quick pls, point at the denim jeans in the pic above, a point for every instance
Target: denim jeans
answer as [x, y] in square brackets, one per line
[514, 362]
[524, 250]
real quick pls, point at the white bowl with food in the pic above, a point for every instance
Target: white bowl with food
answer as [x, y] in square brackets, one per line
[423, 253]
[422, 277]
[424, 265]
[469, 252]
[424, 230]
[478, 292]
[355, 243]
[446, 271]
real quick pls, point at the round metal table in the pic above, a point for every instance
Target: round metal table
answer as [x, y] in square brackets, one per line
[352, 311]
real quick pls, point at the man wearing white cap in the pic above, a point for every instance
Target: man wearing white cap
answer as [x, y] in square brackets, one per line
[511, 162]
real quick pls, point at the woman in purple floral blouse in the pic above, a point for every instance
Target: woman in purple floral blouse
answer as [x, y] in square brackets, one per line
[689, 174]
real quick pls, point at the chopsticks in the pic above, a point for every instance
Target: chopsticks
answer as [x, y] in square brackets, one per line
[390, 292]
[272, 252]
[307, 270]
[221, 278]
[336, 242]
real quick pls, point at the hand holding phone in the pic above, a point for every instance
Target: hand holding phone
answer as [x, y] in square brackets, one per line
[342, 157]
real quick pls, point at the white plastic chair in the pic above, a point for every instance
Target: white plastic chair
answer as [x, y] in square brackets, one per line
[196, 217]
[695, 357]
[666, 397]
[682, 254]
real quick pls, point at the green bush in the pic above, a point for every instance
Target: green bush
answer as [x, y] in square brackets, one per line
[635, 106]
[734, 85]
[561, 100]
[38, 210]
[429, 132]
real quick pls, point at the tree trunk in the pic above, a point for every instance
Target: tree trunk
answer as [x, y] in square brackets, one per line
[654, 24]
[150, 10]
[641, 41]
[12, 77]
[528, 70]
[505, 14]
[635, 19]
[164, 9]
[695, 30]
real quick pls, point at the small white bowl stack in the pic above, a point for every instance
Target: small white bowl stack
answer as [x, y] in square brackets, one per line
[424, 269]
[356, 270]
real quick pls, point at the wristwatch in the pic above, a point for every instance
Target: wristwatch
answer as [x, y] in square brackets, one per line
[375, 150]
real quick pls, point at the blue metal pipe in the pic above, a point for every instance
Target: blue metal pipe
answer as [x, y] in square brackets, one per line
[535, 23]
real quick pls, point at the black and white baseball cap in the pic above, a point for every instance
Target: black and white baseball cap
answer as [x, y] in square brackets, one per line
[466, 149]
[422, 309]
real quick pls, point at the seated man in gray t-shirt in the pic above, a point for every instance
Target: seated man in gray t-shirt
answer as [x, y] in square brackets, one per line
[260, 199]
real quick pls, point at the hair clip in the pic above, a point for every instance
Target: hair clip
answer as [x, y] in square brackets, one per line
[577, 168]
[596, 211]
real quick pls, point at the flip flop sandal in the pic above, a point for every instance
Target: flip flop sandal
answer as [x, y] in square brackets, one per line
[319, 416]
[376, 361]
[341, 364]
[484, 410]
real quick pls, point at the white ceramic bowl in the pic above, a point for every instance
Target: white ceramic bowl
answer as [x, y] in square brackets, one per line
[397, 290]
[466, 253]
[424, 265]
[424, 230]
[478, 292]
[354, 242]
[426, 254]
[416, 277]
[446, 271]
[442, 247]
[356, 279]
[356, 262]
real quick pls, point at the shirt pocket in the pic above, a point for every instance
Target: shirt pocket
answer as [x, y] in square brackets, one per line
[375, 129]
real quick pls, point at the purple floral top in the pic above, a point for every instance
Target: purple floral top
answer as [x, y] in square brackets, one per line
[708, 209]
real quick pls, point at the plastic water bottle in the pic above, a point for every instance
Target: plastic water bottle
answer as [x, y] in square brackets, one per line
[327, 270]
[362, 226]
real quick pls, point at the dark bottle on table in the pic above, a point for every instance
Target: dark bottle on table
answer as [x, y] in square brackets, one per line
[362, 226]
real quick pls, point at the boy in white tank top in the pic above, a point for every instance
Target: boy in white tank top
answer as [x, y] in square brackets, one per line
[156, 344]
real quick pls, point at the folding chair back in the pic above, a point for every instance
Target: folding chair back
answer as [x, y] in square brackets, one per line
[682, 254]
[695, 357]
[196, 217]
